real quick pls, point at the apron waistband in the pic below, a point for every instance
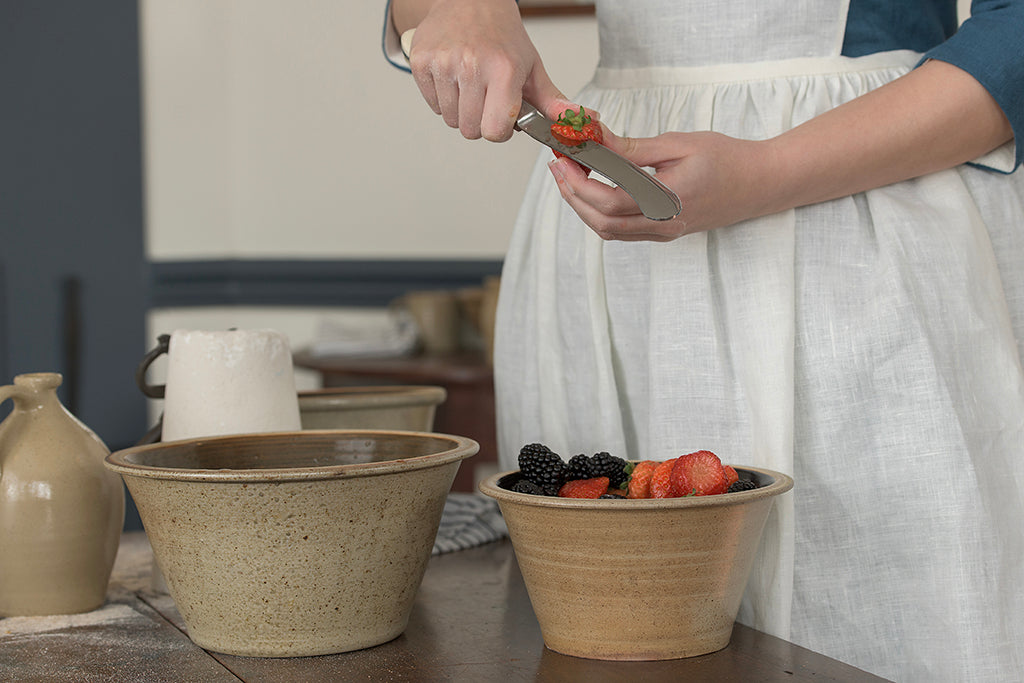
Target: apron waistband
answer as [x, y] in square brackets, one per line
[654, 76]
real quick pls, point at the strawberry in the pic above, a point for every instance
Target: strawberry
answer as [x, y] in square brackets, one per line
[700, 473]
[730, 474]
[584, 488]
[573, 128]
[640, 479]
[661, 479]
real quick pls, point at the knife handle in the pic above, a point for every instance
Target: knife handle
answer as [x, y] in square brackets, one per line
[406, 41]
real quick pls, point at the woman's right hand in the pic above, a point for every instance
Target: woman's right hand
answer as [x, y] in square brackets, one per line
[474, 63]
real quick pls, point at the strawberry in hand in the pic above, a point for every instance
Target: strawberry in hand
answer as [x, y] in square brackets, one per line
[573, 128]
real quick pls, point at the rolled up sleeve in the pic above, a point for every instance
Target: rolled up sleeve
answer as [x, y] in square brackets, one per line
[990, 46]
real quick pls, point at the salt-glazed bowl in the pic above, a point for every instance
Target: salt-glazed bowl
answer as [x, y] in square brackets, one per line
[409, 408]
[637, 579]
[293, 543]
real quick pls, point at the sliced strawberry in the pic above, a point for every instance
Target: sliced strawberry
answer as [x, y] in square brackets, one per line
[700, 473]
[573, 128]
[640, 479]
[661, 479]
[730, 474]
[584, 488]
[576, 127]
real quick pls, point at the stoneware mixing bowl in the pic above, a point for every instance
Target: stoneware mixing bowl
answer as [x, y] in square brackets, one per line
[637, 579]
[409, 408]
[294, 543]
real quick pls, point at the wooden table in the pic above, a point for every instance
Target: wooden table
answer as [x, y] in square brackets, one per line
[467, 377]
[472, 621]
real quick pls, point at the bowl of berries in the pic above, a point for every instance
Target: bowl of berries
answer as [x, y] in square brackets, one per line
[634, 560]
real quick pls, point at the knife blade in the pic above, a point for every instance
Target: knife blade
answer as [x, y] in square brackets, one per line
[656, 201]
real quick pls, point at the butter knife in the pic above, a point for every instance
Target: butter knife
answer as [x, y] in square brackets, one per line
[656, 201]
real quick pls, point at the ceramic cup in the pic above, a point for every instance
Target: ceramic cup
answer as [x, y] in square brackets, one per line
[229, 382]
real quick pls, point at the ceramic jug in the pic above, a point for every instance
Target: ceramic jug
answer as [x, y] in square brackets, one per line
[61, 510]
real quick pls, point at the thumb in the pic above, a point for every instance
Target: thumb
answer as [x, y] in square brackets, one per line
[641, 151]
[545, 95]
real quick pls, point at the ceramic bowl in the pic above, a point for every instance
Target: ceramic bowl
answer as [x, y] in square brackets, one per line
[408, 408]
[637, 579]
[294, 543]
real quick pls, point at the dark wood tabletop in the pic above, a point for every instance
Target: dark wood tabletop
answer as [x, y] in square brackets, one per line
[472, 621]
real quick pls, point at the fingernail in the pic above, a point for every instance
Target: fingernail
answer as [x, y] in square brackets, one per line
[556, 171]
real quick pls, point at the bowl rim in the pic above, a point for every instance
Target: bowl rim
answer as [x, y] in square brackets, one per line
[461, 448]
[369, 397]
[781, 483]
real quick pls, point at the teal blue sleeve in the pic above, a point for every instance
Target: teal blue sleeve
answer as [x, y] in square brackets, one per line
[390, 42]
[990, 47]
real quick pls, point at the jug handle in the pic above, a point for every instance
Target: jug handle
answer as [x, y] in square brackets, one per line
[11, 391]
[6, 392]
[152, 390]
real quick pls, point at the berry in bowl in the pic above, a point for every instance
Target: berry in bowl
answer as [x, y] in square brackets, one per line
[627, 560]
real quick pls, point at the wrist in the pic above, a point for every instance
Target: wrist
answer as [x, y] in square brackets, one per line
[775, 176]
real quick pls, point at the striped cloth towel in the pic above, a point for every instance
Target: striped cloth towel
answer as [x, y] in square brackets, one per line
[468, 520]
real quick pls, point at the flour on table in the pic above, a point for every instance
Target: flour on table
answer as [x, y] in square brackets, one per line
[108, 614]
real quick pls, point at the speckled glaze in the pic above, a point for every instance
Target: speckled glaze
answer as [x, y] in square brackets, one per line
[408, 408]
[298, 543]
[61, 511]
[637, 579]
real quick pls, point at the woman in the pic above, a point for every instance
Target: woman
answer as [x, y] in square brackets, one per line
[840, 298]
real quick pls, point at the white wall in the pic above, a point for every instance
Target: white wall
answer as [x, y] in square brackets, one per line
[276, 129]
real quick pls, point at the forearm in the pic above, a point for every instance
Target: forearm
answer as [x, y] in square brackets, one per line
[935, 117]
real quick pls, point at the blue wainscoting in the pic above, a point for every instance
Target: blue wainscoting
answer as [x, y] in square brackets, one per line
[350, 282]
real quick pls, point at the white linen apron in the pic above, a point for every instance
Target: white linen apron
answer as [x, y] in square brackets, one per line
[865, 345]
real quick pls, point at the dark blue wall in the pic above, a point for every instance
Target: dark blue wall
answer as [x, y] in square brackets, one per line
[73, 290]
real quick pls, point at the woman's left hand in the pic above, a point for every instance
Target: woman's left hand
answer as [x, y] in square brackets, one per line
[934, 117]
[720, 181]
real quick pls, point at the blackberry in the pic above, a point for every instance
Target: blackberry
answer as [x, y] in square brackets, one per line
[742, 485]
[527, 486]
[606, 465]
[611, 495]
[579, 467]
[543, 467]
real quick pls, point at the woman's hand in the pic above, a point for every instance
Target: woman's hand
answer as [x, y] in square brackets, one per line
[474, 64]
[720, 181]
[935, 117]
